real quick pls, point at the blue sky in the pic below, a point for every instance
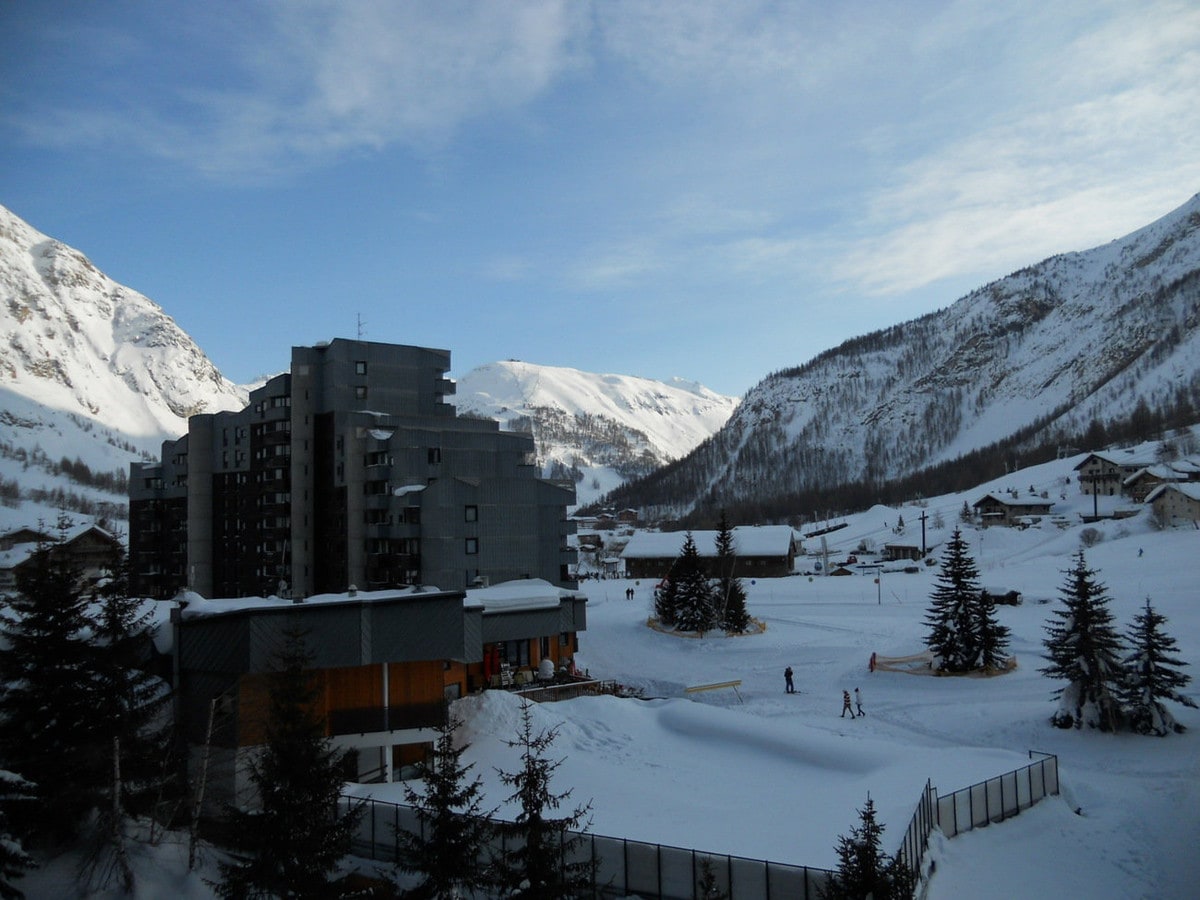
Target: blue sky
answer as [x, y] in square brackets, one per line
[707, 190]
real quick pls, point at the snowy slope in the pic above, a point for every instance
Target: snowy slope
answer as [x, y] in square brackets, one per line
[89, 369]
[1078, 337]
[599, 429]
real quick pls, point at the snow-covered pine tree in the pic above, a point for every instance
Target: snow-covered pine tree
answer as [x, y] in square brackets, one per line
[447, 850]
[16, 802]
[51, 734]
[546, 864]
[952, 610]
[864, 870]
[290, 846]
[731, 595]
[695, 606]
[1152, 675]
[1084, 650]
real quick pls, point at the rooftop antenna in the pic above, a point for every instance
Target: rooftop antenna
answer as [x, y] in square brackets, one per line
[361, 329]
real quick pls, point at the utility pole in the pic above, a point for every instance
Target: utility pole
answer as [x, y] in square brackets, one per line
[924, 516]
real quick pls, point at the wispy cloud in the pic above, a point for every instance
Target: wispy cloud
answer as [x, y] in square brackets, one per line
[1105, 142]
[315, 81]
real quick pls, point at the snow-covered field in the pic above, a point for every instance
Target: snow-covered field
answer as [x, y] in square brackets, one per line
[780, 777]
[773, 776]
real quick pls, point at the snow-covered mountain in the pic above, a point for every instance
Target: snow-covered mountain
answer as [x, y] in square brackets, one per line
[1079, 338]
[598, 430]
[90, 371]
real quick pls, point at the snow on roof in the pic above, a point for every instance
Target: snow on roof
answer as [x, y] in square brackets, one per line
[1009, 501]
[748, 540]
[1189, 489]
[194, 605]
[1140, 456]
[1161, 472]
[519, 594]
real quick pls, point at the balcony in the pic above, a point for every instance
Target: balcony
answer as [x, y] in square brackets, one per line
[367, 721]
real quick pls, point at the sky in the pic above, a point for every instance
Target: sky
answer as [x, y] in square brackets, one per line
[768, 775]
[705, 190]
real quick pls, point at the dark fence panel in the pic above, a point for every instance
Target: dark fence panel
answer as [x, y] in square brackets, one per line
[625, 867]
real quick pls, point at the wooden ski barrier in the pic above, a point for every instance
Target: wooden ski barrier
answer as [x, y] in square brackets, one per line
[716, 686]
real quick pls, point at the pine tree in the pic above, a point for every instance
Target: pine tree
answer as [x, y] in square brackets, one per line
[133, 701]
[16, 801]
[454, 827]
[50, 735]
[293, 842]
[1084, 651]
[695, 602]
[542, 867]
[864, 870]
[953, 608]
[666, 602]
[1152, 676]
[991, 638]
[731, 595]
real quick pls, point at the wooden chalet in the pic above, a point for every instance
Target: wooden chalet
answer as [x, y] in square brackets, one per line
[386, 662]
[89, 549]
[1001, 509]
[763, 551]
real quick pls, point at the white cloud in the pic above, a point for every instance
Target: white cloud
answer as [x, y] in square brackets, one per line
[1108, 144]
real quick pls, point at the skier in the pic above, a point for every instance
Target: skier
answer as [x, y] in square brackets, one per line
[787, 678]
[846, 707]
[858, 702]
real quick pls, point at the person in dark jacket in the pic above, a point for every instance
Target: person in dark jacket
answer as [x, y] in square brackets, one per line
[846, 707]
[787, 681]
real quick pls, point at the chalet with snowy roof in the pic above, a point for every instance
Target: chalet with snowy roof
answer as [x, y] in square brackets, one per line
[386, 663]
[763, 551]
[89, 548]
[1105, 471]
[1176, 504]
[1139, 485]
[1002, 509]
[901, 552]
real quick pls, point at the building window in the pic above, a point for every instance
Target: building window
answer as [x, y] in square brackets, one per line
[360, 367]
[545, 647]
[470, 513]
[435, 455]
[472, 546]
[360, 392]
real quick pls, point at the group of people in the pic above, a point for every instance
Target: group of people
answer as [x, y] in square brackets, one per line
[628, 593]
[846, 708]
[789, 686]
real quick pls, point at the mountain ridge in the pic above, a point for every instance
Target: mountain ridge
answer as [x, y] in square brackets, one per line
[1076, 338]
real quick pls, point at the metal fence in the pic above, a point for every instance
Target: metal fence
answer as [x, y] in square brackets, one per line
[998, 798]
[980, 804]
[622, 867]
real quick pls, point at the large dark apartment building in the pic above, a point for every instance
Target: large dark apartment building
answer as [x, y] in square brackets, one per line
[351, 469]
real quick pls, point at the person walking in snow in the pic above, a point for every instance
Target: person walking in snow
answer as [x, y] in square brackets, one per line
[787, 680]
[858, 702]
[846, 707]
